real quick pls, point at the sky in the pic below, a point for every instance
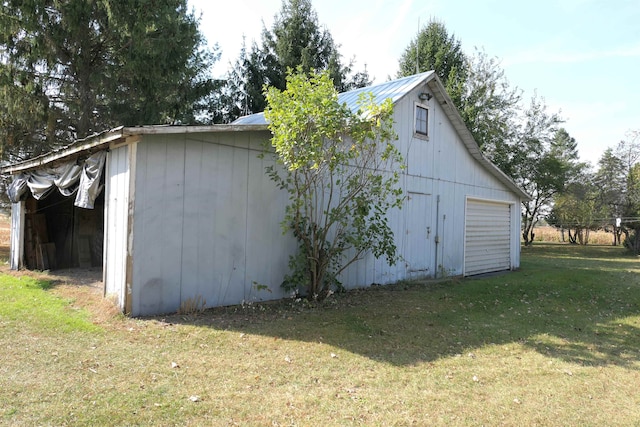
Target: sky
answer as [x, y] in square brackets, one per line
[581, 56]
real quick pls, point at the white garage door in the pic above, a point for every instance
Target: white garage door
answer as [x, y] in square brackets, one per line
[487, 237]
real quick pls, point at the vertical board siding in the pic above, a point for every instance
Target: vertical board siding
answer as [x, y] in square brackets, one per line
[116, 223]
[215, 238]
[226, 211]
[418, 235]
[207, 217]
[158, 220]
[267, 248]
[17, 235]
[198, 246]
[443, 167]
[487, 237]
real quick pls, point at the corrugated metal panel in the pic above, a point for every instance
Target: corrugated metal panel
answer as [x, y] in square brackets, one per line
[251, 119]
[487, 237]
[17, 235]
[117, 182]
[394, 90]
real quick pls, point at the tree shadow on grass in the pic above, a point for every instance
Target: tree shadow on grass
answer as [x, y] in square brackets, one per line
[587, 316]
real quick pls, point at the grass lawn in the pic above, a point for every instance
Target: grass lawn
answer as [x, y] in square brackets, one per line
[556, 343]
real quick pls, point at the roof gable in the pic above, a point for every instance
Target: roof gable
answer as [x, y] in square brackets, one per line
[396, 90]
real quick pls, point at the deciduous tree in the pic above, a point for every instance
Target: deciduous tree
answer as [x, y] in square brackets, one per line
[476, 84]
[577, 209]
[540, 162]
[340, 169]
[489, 106]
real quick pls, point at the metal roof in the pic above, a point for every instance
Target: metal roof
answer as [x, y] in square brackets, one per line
[251, 119]
[394, 89]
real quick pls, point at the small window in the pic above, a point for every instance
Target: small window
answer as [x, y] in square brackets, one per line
[422, 120]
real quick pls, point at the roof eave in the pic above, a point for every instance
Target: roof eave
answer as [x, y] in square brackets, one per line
[64, 152]
[118, 134]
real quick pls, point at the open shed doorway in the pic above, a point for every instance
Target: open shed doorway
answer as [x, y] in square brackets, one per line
[59, 235]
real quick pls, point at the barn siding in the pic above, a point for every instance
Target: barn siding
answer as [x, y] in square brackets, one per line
[268, 249]
[117, 183]
[443, 171]
[17, 235]
[216, 237]
[217, 232]
[157, 228]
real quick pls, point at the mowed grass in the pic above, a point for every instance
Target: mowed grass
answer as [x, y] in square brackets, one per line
[556, 343]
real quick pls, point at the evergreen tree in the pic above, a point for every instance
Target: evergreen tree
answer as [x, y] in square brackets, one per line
[434, 49]
[610, 182]
[296, 39]
[79, 67]
[476, 84]
[628, 151]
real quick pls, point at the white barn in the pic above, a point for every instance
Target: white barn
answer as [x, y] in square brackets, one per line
[187, 213]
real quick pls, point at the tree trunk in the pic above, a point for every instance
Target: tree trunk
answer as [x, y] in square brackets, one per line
[617, 236]
[528, 235]
[635, 241]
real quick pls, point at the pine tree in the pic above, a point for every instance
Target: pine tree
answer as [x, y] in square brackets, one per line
[434, 49]
[85, 66]
[296, 39]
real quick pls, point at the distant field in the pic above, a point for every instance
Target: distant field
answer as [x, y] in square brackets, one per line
[551, 234]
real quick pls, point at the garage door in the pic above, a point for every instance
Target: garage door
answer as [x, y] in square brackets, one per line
[487, 237]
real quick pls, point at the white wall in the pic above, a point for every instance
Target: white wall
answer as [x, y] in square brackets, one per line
[200, 229]
[117, 185]
[440, 174]
[207, 217]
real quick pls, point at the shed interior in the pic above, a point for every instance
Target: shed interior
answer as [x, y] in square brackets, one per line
[60, 235]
